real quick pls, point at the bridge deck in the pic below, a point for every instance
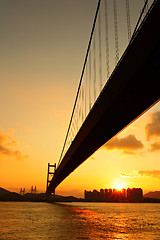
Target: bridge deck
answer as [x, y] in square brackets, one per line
[132, 88]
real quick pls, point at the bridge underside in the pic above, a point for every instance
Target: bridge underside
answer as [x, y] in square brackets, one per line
[132, 89]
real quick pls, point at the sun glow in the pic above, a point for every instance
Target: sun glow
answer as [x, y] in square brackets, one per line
[119, 185]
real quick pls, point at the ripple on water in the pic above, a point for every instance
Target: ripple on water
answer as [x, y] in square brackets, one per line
[79, 221]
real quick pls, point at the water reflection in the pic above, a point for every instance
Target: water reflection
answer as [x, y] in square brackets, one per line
[117, 221]
[100, 224]
[92, 221]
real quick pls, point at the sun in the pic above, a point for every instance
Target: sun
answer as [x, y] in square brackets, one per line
[119, 185]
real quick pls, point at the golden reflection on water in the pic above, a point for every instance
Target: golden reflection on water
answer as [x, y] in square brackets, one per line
[92, 221]
[83, 212]
[117, 221]
[100, 224]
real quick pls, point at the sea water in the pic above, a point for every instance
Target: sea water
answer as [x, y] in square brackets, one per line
[63, 221]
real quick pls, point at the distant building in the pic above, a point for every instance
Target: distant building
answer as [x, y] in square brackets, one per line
[114, 195]
[134, 194]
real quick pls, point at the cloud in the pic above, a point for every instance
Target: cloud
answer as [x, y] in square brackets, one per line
[128, 144]
[6, 143]
[155, 146]
[126, 175]
[153, 129]
[153, 173]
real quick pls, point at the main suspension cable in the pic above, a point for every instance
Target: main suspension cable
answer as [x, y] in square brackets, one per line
[83, 69]
[139, 20]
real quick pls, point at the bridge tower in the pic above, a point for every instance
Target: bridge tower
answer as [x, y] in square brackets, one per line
[50, 174]
[33, 190]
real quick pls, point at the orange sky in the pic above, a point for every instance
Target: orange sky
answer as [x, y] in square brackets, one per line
[42, 49]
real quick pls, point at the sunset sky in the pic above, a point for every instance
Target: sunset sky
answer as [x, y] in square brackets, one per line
[42, 49]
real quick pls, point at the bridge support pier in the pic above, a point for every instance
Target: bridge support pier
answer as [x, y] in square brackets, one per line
[50, 173]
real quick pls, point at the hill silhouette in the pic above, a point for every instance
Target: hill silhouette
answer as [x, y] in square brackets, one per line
[3, 191]
[155, 194]
[6, 195]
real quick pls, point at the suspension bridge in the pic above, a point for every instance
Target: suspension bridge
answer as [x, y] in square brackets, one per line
[119, 81]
